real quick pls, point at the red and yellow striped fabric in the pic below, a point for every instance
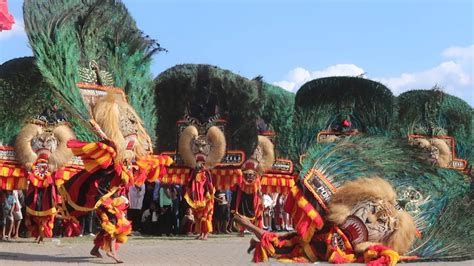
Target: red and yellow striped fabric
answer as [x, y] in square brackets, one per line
[271, 242]
[65, 173]
[12, 176]
[40, 225]
[306, 218]
[119, 228]
[277, 183]
[176, 176]
[151, 168]
[381, 255]
[203, 215]
[95, 155]
[224, 179]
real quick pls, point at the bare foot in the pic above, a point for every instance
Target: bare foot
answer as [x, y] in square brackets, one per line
[204, 236]
[113, 256]
[94, 252]
[253, 243]
[241, 234]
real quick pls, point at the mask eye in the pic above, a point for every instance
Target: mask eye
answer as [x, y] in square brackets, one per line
[373, 209]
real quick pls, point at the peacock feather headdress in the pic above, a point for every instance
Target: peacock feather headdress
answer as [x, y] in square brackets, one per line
[428, 193]
[340, 104]
[205, 93]
[73, 38]
[25, 93]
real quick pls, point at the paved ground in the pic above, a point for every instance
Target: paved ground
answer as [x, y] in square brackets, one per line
[218, 250]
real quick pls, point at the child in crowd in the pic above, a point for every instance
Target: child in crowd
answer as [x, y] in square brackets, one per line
[187, 223]
[17, 215]
[8, 206]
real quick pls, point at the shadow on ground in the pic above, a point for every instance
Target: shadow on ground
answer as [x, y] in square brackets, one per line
[15, 256]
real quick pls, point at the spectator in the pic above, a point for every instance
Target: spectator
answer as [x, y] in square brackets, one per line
[7, 208]
[187, 223]
[2, 199]
[17, 215]
[150, 220]
[175, 199]
[148, 197]
[230, 225]
[165, 221]
[156, 191]
[286, 220]
[135, 196]
[267, 212]
[87, 224]
[222, 212]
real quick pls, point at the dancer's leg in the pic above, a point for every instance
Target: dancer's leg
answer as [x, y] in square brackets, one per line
[113, 253]
[17, 228]
[249, 226]
[95, 251]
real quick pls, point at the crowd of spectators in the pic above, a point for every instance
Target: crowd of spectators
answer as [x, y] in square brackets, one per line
[154, 209]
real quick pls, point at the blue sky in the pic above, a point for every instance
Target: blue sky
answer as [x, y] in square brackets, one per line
[404, 44]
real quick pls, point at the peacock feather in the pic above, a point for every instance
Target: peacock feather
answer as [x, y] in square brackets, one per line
[433, 196]
[278, 112]
[322, 103]
[23, 94]
[66, 36]
[198, 89]
[433, 112]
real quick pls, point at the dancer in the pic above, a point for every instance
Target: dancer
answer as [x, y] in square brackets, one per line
[94, 49]
[363, 223]
[213, 113]
[247, 195]
[41, 146]
[201, 152]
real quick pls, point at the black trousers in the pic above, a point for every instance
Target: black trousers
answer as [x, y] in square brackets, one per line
[134, 215]
[165, 221]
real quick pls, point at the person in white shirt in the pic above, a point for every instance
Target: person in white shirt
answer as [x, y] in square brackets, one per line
[17, 215]
[267, 212]
[150, 220]
[135, 197]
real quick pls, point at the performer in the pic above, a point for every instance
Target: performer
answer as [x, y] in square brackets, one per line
[108, 171]
[94, 49]
[41, 147]
[363, 224]
[201, 152]
[247, 194]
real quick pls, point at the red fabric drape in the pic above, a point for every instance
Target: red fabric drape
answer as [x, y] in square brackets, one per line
[6, 19]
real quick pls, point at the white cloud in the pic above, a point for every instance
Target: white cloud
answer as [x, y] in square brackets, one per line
[455, 75]
[18, 29]
[299, 75]
[462, 53]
